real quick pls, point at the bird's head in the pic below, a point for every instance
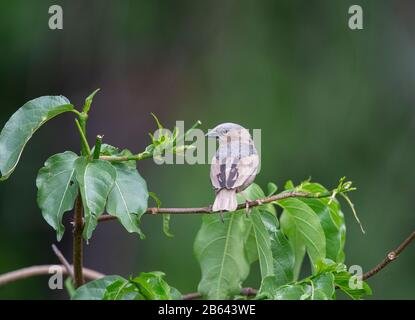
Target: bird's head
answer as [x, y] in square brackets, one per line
[228, 129]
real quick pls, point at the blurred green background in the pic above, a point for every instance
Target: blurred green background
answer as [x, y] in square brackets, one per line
[330, 102]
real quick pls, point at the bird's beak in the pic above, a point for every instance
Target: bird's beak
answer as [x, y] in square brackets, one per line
[211, 134]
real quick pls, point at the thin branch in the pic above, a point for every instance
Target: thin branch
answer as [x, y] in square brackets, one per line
[62, 260]
[390, 257]
[249, 204]
[192, 296]
[32, 271]
[136, 157]
[78, 244]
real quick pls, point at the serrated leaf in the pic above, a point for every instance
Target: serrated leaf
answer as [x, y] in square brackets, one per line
[96, 179]
[95, 290]
[305, 227]
[57, 189]
[23, 124]
[128, 198]
[220, 250]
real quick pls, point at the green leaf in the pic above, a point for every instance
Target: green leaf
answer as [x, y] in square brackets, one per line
[305, 227]
[96, 179]
[292, 292]
[272, 189]
[147, 286]
[283, 258]
[121, 289]
[331, 219]
[264, 221]
[23, 124]
[342, 280]
[263, 241]
[166, 225]
[70, 287]
[276, 256]
[96, 289]
[268, 217]
[289, 185]
[250, 246]
[152, 287]
[323, 287]
[128, 199]
[345, 281]
[166, 217]
[108, 150]
[220, 250]
[57, 189]
[88, 101]
[295, 240]
[159, 125]
[320, 286]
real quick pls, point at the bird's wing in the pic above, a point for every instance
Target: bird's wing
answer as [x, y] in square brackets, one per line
[247, 168]
[233, 172]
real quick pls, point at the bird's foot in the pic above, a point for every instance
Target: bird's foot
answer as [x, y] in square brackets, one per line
[221, 217]
[247, 208]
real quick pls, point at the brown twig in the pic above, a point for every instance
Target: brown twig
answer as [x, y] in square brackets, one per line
[208, 209]
[78, 244]
[63, 260]
[32, 271]
[390, 257]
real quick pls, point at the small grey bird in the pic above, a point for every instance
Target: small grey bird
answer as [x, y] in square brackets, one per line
[234, 165]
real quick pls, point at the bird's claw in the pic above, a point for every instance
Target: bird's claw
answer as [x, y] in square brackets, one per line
[221, 216]
[247, 209]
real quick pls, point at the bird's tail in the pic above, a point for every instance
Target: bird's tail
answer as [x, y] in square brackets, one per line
[225, 200]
